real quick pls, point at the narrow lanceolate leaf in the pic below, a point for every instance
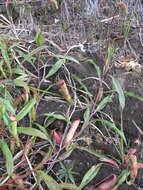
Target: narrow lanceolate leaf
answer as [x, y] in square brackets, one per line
[8, 105]
[103, 103]
[86, 114]
[20, 83]
[67, 58]
[90, 174]
[26, 57]
[96, 67]
[56, 116]
[68, 186]
[120, 92]
[8, 155]
[2, 111]
[108, 60]
[122, 178]
[49, 122]
[7, 121]
[5, 55]
[26, 109]
[39, 39]
[92, 152]
[29, 56]
[113, 126]
[32, 132]
[83, 86]
[134, 95]
[67, 153]
[55, 68]
[50, 182]
[43, 130]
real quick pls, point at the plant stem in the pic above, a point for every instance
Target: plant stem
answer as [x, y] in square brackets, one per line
[121, 140]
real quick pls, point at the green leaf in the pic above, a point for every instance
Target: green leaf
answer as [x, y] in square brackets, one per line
[113, 126]
[7, 121]
[131, 94]
[120, 92]
[71, 178]
[19, 71]
[122, 178]
[29, 56]
[66, 178]
[86, 114]
[92, 152]
[49, 122]
[39, 39]
[95, 66]
[50, 182]
[110, 53]
[67, 153]
[20, 83]
[35, 51]
[68, 186]
[90, 174]
[66, 57]
[32, 132]
[26, 57]
[8, 105]
[26, 109]
[56, 116]
[2, 69]
[9, 97]
[2, 111]
[62, 175]
[55, 68]
[83, 86]
[103, 103]
[8, 155]
[63, 166]
[45, 132]
[5, 55]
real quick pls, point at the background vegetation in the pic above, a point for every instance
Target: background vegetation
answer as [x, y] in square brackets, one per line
[70, 90]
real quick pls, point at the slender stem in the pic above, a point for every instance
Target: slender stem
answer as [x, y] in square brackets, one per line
[121, 141]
